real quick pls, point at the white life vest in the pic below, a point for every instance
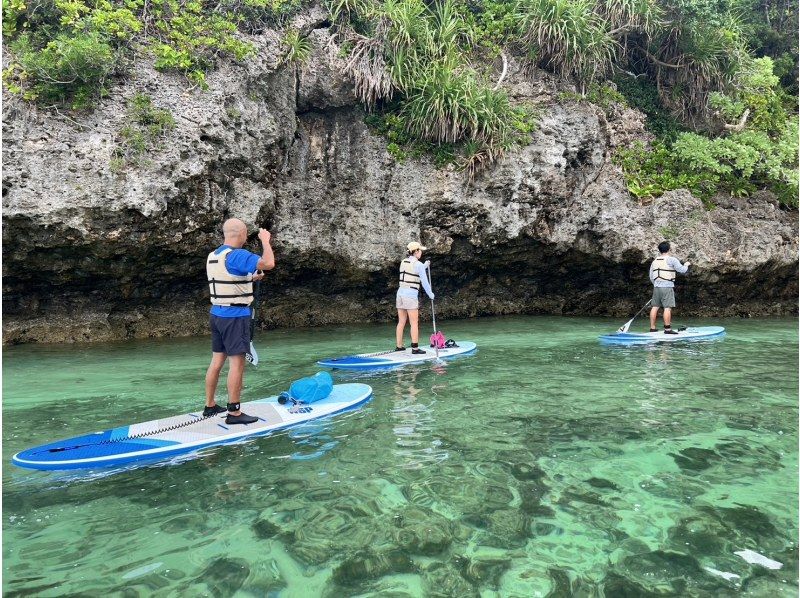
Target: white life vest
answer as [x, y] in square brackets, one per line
[662, 270]
[224, 287]
[409, 279]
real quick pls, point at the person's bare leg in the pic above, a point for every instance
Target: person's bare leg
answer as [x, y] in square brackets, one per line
[413, 317]
[402, 318]
[653, 317]
[667, 317]
[235, 379]
[212, 377]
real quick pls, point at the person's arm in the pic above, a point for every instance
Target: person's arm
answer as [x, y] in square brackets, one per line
[267, 260]
[677, 266]
[652, 272]
[423, 278]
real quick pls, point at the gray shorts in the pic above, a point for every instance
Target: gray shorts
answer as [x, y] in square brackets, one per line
[663, 297]
[407, 302]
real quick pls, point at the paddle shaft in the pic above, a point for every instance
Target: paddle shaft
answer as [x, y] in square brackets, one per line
[433, 312]
[256, 295]
[251, 356]
[627, 325]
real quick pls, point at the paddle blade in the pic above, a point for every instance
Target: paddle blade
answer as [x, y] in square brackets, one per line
[624, 328]
[251, 356]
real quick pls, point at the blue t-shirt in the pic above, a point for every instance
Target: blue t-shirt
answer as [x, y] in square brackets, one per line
[239, 262]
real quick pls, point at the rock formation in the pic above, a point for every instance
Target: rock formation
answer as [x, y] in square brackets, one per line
[93, 254]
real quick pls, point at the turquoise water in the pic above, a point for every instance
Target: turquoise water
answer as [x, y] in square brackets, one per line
[544, 465]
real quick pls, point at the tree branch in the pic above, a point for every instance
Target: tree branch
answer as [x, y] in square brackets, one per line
[503, 74]
[740, 125]
[659, 62]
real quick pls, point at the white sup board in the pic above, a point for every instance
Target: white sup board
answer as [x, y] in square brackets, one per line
[391, 359]
[690, 334]
[171, 436]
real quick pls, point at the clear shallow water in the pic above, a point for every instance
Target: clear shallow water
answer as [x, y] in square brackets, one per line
[546, 464]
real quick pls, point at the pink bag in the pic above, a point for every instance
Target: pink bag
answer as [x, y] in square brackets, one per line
[437, 340]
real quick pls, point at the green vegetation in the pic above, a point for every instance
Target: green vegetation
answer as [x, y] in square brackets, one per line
[65, 51]
[670, 232]
[191, 38]
[723, 121]
[757, 147]
[642, 94]
[296, 47]
[69, 68]
[419, 55]
[146, 126]
[717, 79]
[403, 145]
[604, 95]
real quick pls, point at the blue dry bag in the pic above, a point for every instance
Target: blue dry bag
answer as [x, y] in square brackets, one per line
[311, 389]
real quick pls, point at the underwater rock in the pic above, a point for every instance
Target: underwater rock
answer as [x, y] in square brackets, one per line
[662, 573]
[695, 459]
[602, 484]
[441, 580]
[368, 565]
[745, 524]
[187, 522]
[484, 572]
[507, 529]
[525, 472]
[265, 529]
[224, 576]
[422, 532]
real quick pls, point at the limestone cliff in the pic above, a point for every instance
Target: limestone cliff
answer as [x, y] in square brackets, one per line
[93, 254]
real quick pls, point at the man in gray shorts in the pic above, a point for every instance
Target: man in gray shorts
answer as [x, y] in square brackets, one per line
[662, 274]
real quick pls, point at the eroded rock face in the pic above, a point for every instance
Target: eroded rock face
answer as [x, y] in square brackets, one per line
[94, 255]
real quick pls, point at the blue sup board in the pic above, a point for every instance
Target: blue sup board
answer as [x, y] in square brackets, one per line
[392, 359]
[699, 333]
[184, 434]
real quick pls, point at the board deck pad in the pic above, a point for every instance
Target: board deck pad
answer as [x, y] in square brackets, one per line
[691, 333]
[167, 437]
[390, 359]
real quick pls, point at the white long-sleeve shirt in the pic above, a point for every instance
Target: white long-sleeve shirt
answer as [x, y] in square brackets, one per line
[422, 272]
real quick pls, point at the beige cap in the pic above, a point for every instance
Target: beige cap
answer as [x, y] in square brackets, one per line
[413, 246]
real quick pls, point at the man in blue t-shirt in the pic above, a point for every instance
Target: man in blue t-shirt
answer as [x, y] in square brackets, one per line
[231, 271]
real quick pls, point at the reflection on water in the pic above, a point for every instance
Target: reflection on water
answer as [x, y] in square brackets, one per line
[544, 465]
[414, 421]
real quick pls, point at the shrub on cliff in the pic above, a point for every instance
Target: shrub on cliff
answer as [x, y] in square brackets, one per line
[758, 150]
[420, 56]
[70, 68]
[145, 127]
[65, 50]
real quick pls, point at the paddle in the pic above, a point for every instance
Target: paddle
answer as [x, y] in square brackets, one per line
[624, 328]
[433, 311]
[252, 356]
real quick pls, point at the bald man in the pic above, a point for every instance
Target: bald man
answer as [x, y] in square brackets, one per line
[231, 271]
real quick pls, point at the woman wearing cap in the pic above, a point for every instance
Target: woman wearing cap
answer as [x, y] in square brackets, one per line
[413, 273]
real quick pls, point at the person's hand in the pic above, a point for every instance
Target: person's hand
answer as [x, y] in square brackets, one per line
[264, 236]
[427, 263]
[258, 275]
[687, 264]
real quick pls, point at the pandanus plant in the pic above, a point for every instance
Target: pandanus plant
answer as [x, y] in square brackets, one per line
[421, 52]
